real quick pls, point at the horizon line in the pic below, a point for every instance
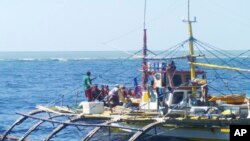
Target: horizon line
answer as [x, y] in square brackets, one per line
[98, 50]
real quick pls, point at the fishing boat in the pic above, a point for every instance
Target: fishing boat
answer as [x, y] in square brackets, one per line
[170, 102]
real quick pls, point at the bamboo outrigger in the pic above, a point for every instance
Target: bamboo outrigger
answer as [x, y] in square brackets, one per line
[175, 113]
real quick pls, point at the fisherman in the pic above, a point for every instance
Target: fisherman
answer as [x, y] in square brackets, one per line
[113, 96]
[131, 93]
[151, 89]
[204, 91]
[96, 93]
[171, 66]
[102, 93]
[104, 90]
[122, 94]
[87, 81]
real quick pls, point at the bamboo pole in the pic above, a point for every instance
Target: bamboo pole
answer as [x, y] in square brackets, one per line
[17, 122]
[219, 67]
[78, 124]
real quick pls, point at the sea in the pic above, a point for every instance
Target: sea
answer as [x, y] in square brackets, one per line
[28, 79]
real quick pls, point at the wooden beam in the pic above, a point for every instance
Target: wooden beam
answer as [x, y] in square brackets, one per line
[60, 127]
[78, 124]
[146, 128]
[19, 121]
[34, 127]
[95, 130]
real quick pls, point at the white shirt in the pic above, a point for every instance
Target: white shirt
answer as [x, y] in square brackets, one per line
[113, 91]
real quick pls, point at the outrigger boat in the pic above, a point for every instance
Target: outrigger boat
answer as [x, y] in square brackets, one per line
[175, 104]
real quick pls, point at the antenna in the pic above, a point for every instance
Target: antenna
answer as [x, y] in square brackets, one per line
[188, 15]
[144, 31]
[145, 10]
[188, 10]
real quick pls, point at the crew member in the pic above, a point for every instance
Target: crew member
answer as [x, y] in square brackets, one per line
[87, 86]
[204, 91]
[113, 96]
[96, 93]
[122, 94]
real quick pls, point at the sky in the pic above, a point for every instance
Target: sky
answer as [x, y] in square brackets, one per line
[102, 25]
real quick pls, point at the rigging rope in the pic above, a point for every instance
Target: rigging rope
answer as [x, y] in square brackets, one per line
[239, 56]
[204, 47]
[216, 90]
[218, 50]
[174, 52]
[173, 47]
[247, 56]
[112, 68]
[108, 70]
[217, 74]
[124, 51]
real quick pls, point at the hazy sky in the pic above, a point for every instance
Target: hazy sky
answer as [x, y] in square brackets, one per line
[72, 25]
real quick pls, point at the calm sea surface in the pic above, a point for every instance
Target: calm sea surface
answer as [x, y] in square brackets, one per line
[31, 78]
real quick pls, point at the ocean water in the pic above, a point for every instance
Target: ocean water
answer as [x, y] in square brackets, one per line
[31, 78]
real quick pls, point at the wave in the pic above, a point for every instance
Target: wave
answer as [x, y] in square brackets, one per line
[60, 59]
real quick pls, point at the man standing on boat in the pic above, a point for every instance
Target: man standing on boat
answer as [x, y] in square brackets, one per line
[87, 86]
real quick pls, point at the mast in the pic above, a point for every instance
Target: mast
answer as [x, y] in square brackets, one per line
[191, 47]
[144, 52]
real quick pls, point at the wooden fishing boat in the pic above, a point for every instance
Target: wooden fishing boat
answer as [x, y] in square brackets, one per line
[176, 104]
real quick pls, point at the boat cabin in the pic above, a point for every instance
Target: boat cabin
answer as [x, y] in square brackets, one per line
[164, 75]
[170, 86]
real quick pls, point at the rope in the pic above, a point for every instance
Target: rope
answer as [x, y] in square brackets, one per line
[152, 52]
[213, 70]
[246, 57]
[204, 47]
[218, 50]
[171, 54]
[62, 95]
[124, 51]
[216, 90]
[240, 55]
[177, 45]
[108, 70]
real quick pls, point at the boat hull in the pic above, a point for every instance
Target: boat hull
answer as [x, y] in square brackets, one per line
[183, 133]
[196, 133]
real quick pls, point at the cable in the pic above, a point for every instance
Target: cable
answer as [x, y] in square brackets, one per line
[177, 45]
[204, 47]
[218, 50]
[214, 70]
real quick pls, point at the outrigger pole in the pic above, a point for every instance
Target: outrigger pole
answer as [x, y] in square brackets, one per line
[191, 47]
[77, 124]
[144, 52]
[219, 67]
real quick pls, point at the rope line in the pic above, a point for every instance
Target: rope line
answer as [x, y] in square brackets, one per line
[214, 71]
